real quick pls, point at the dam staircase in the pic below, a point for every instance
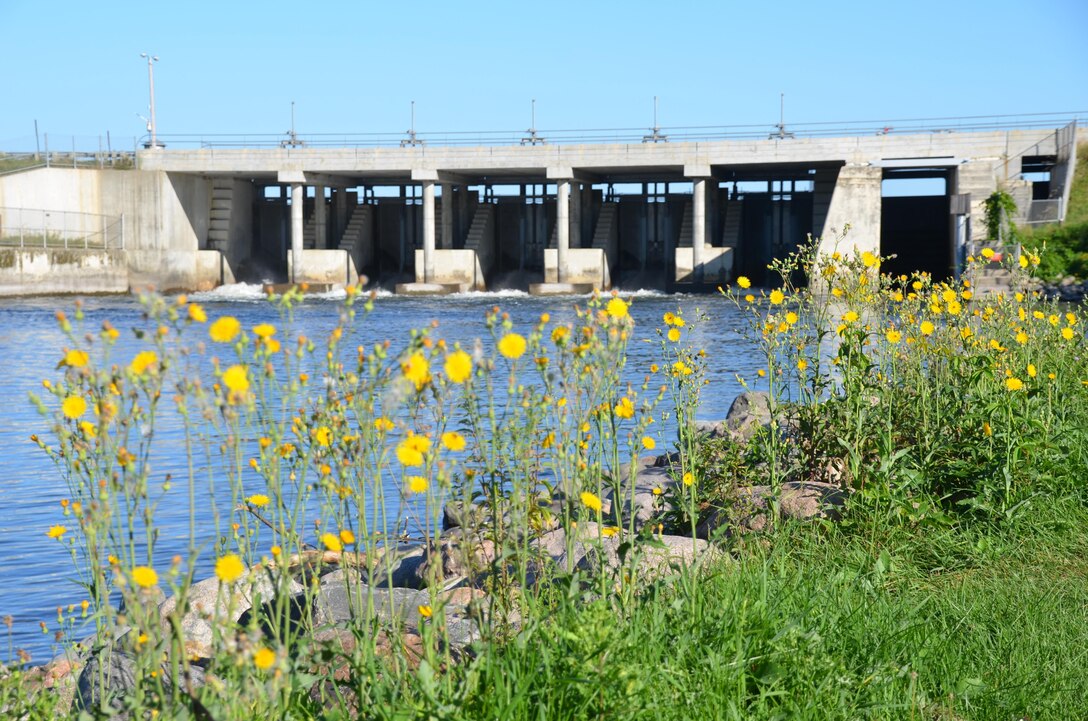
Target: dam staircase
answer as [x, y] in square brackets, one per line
[477, 238]
[687, 224]
[358, 221]
[604, 235]
[732, 226]
[219, 217]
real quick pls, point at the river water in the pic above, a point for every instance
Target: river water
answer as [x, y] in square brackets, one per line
[36, 573]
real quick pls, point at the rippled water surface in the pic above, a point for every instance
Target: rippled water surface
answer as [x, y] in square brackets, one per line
[36, 573]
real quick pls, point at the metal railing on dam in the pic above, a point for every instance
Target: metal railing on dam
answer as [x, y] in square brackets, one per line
[580, 136]
[31, 228]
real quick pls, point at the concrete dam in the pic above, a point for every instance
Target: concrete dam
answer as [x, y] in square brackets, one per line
[549, 218]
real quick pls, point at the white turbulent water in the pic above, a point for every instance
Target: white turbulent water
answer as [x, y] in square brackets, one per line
[36, 573]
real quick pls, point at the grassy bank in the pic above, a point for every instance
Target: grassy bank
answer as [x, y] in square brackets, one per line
[946, 583]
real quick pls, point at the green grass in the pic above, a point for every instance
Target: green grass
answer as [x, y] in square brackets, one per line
[1078, 194]
[819, 624]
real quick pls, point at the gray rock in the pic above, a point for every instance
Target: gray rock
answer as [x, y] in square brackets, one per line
[644, 505]
[211, 603]
[749, 412]
[338, 602]
[593, 553]
[750, 509]
[110, 675]
[400, 568]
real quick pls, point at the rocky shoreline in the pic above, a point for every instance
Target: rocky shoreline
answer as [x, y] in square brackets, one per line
[335, 593]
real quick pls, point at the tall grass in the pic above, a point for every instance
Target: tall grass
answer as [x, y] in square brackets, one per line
[955, 425]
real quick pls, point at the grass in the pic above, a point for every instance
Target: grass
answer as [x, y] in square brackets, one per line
[818, 624]
[953, 587]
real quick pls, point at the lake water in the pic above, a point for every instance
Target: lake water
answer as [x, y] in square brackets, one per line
[36, 572]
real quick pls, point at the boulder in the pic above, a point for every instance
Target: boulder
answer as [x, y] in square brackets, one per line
[110, 674]
[211, 603]
[750, 508]
[749, 412]
[596, 554]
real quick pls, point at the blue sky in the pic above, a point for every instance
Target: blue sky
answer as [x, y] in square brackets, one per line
[353, 67]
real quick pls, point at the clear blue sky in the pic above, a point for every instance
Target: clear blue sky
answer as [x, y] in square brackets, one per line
[235, 67]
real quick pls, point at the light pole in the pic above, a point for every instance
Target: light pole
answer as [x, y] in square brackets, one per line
[151, 87]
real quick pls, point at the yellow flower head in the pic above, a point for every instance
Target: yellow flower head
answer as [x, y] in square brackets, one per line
[869, 260]
[73, 407]
[331, 541]
[264, 658]
[56, 531]
[674, 335]
[144, 576]
[987, 253]
[926, 328]
[453, 441]
[259, 500]
[591, 501]
[410, 451]
[791, 318]
[802, 364]
[850, 317]
[777, 297]
[743, 282]
[229, 568]
[425, 610]
[236, 378]
[196, 313]
[1013, 383]
[625, 408]
[1067, 333]
[417, 484]
[143, 362]
[458, 366]
[417, 369]
[617, 308]
[75, 358]
[512, 346]
[893, 336]
[225, 329]
[1031, 370]
[347, 536]
[264, 330]
[649, 443]
[688, 479]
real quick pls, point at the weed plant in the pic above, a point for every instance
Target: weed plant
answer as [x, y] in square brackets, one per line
[953, 586]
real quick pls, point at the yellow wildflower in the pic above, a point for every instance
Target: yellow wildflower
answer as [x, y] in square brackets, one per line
[229, 568]
[225, 329]
[347, 536]
[264, 658]
[76, 358]
[236, 379]
[410, 451]
[458, 366]
[743, 282]
[453, 441]
[417, 369]
[625, 408]
[777, 297]
[417, 484]
[196, 313]
[144, 361]
[688, 479]
[144, 576]
[264, 330]
[322, 436]
[331, 541]
[258, 500]
[512, 346]
[56, 531]
[1014, 384]
[926, 328]
[73, 407]
[617, 308]
[591, 501]
[649, 443]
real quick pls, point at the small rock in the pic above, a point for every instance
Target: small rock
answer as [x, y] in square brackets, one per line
[750, 510]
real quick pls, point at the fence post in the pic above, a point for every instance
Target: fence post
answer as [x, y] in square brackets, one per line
[122, 231]
[46, 135]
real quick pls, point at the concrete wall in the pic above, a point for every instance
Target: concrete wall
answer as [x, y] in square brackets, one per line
[855, 202]
[454, 267]
[42, 272]
[326, 266]
[717, 264]
[165, 217]
[584, 266]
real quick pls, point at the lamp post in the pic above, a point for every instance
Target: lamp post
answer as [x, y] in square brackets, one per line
[151, 88]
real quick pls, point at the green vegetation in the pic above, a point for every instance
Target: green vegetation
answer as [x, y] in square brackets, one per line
[1067, 244]
[951, 584]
